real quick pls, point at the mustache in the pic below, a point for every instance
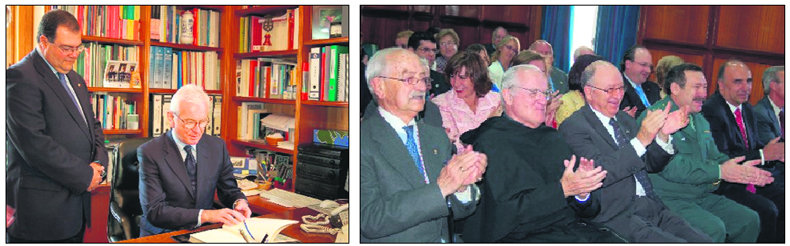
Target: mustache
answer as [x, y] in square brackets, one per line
[699, 99]
[417, 95]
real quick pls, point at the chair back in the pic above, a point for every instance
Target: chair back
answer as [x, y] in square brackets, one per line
[125, 210]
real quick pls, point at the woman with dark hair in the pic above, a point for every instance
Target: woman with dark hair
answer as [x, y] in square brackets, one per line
[471, 101]
[574, 99]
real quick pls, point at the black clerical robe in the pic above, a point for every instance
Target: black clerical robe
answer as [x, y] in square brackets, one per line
[522, 197]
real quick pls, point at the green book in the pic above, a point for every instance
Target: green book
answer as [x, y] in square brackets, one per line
[334, 66]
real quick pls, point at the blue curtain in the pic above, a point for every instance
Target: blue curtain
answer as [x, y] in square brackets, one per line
[556, 30]
[616, 32]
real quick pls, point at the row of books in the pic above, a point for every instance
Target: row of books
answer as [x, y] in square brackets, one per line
[91, 63]
[115, 111]
[266, 78]
[170, 69]
[160, 105]
[327, 74]
[166, 25]
[269, 33]
[110, 21]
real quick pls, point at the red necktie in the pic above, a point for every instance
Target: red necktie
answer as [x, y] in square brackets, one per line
[739, 120]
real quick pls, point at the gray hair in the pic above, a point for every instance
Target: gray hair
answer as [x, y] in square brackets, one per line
[493, 34]
[578, 51]
[509, 78]
[770, 76]
[189, 93]
[377, 65]
[589, 71]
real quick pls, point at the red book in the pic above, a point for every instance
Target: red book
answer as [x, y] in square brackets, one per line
[305, 79]
[322, 96]
[256, 34]
[290, 29]
[253, 65]
[195, 26]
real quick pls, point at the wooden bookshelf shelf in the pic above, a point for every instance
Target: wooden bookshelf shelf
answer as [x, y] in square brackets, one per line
[261, 10]
[264, 100]
[326, 104]
[186, 46]
[122, 132]
[261, 145]
[331, 41]
[121, 90]
[173, 91]
[279, 53]
[111, 40]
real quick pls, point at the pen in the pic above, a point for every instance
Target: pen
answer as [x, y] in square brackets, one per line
[264, 238]
[248, 231]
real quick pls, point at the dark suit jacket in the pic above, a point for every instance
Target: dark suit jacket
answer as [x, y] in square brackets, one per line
[766, 122]
[429, 115]
[49, 149]
[588, 138]
[560, 80]
[630, 99]
[490, 48]
[440, 84]
[396, 204]
[166, 196]
[725, 130]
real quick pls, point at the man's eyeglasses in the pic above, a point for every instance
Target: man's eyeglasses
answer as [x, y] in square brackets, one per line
[190, 124]
[536, 93]
[426, 50]
[611, 91]
[70, 49]
[411, 80]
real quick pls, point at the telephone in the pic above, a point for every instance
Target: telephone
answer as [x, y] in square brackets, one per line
[334, 222]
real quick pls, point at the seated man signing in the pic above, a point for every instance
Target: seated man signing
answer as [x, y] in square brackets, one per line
[181, 170]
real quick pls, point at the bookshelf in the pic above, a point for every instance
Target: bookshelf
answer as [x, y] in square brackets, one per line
[308, 115]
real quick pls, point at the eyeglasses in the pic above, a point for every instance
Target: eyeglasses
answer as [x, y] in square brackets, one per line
[535, 93]
[411, 80]
[446, 44]
[511, 48]
[426, 50]
[70, 49]
[191, 124]
[610, 91]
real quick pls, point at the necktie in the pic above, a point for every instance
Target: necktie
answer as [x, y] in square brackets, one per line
[640, 176]
[62, 78]
[782, 122]
[642, 96]
[191, 167]
[739, 121]
[411, 145]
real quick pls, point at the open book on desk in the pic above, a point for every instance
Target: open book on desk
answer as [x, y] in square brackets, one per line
[260, 228]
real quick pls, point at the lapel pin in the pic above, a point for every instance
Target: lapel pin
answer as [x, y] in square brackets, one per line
[435, 151]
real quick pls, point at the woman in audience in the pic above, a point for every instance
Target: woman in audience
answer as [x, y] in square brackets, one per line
[448, 47]
[502, 57]
[471, 100]
[663, 66]
[574, 99]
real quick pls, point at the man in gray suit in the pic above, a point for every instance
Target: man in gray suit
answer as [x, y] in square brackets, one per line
[408, 176]
[769, 112]
[610, 137]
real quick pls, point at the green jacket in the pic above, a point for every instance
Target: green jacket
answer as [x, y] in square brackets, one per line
[694, 169]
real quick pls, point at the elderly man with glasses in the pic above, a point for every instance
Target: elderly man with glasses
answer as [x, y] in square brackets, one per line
[55, 145]
[530, 189]
[181, 170]
[408, 175]
[602, 132]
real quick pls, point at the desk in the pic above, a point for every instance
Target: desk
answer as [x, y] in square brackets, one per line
[292, 231]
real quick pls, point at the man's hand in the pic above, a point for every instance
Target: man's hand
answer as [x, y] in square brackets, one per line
[224, 216]
[554, 103]
[746, 173]
[630, 111]
[461, 170]
[653, 122]
[774, 150]
[243, 207]
[676, 120]
[96, 179]
[581, 181]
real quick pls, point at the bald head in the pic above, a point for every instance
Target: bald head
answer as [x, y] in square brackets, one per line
[545, 49]
[603, 87]
[582, 50]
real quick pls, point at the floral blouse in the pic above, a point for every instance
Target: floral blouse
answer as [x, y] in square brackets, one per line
[458, 118]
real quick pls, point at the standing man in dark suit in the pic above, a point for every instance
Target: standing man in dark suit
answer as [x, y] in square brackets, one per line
[181, 170]
[55, 145]
[603, 133]
[636, 66]
[408, 175]
[733, 126]
[769, 111]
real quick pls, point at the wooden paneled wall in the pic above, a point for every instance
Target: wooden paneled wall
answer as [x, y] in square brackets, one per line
[709, 35]
[474, 24]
